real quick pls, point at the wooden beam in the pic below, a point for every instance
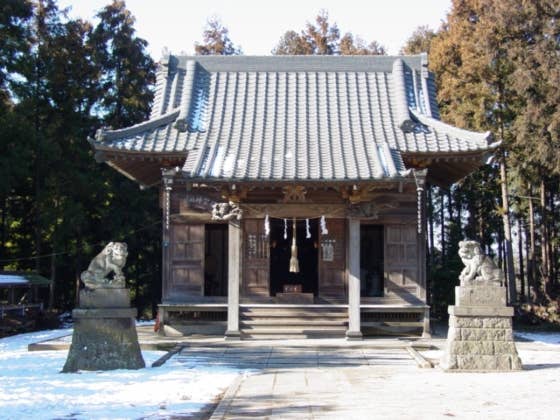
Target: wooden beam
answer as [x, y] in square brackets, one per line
[307, 210]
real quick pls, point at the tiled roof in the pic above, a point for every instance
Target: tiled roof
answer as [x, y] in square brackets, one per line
[22, 279]
[294, 117]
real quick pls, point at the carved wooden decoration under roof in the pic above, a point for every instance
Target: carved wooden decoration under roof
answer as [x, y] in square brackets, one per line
[366, 193]
[369, 210]
[293, 210]
[294, 194]
[234, 193]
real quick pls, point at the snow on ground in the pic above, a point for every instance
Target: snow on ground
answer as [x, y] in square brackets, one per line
[547, 343]
[541, 337]
[31, 385]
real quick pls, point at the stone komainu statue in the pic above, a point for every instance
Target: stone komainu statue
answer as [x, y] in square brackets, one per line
[111, 259]
[479, 268]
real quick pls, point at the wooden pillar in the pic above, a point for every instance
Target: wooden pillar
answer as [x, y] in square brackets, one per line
[354, 330]
[166, 234]
[234, 270]
[422, 255]
[167, 186]
[420, 178]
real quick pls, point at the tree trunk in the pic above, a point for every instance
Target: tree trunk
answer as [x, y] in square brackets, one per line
[38, 164]
[442, 224]
[458, 208]
[531, 274]
[137, 290]
[510, 269]
[527, 234]
[521, 265]
[37, 210]
[3, 232]
[501, 249]
[551, 235]
[545, 243]
[53, 279]
[480, 232]
[77, 270]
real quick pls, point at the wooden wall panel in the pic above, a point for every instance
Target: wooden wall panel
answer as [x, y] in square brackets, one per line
[401, 260]
[187, 262]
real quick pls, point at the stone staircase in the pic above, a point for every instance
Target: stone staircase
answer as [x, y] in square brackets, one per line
[267, 322]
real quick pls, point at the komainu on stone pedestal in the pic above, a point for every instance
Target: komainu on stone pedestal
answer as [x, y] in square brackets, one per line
[111, 259]
[104, 335]
[480, 336]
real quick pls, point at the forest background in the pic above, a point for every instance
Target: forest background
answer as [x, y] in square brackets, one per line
[497, 65]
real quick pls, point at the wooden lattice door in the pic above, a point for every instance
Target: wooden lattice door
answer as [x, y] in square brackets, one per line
[256, 258]
[332, 261]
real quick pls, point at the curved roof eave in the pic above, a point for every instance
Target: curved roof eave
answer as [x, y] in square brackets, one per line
[482, 141]
[105, 136]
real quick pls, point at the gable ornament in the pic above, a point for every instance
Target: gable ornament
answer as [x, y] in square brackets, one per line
[363, 211]
[294, 194]
[226, 211]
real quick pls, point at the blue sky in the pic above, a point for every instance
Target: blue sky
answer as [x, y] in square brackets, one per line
[257, 26]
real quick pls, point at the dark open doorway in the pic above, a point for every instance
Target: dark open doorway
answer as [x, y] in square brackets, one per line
[280, 254]
[371, 260]
[216, 260]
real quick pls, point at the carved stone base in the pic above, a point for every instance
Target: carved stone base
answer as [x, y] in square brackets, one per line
[105, 298]
[104, 337]
[480, 338]
[487, 296]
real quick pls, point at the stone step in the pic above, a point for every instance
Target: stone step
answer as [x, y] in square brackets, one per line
[288, 336]
[297, 318]
[292, 313]
[298, 322]
[417, 324]
[293, 322]
[294, 328]
[286, 333]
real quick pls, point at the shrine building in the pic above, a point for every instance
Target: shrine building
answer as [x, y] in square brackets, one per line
[292, 191]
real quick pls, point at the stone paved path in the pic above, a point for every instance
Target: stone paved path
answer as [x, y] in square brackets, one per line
[268, 357]
[283, 382]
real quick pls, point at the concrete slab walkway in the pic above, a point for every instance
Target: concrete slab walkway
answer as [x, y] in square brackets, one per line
[297, 385]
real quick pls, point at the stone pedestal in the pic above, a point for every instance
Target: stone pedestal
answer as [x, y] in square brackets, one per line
[480, 336]
[104, 335]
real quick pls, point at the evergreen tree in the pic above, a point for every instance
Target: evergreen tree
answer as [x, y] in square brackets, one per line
[14, 38]
[419, 42]
[216, 40]
[58, 206]
[129, 214]
[291, 43]
[471, 61]
[350, 45]
[127, 70]
[323, 38]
